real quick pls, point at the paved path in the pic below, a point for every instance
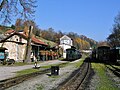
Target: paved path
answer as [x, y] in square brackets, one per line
[9, 71]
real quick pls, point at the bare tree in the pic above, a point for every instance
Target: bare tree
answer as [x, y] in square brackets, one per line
[13, 8]
[28, 47]
[114, 38]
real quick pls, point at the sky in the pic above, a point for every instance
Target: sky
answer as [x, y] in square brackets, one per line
[92, 18]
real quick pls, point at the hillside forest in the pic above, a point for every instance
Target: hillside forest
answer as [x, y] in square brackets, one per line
[79, 41]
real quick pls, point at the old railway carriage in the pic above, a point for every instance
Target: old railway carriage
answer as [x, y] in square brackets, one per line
[101, 53]
[115, 54]
[72, 54]
[105, 53]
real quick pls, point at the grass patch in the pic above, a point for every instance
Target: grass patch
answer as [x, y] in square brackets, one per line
[26, 71]
[60, 65]
[105, 83]
[64, 64]
[40, 87]
[61, 59]
[78, 64]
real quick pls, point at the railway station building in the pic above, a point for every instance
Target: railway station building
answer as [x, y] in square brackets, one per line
[65, 43]
[15, 44]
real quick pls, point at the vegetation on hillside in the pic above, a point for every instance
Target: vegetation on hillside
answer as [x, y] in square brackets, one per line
[78, 40]
[50, 37]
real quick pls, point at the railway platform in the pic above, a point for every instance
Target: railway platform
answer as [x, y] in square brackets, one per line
[9, 71]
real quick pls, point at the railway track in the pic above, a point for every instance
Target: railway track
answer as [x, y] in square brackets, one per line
[115, 70]
[16, 80]
[77, 82]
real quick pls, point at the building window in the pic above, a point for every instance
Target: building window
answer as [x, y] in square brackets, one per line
[20, 39]
[16, 39]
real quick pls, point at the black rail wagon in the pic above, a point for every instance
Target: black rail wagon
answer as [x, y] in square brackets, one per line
[72, 54]
[115, 54]
[103, 53]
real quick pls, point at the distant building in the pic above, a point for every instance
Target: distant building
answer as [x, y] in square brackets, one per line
[65, 43]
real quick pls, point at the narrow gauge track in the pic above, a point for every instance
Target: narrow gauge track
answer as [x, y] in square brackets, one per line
[113, 69]
[16, 80]
[77, 82]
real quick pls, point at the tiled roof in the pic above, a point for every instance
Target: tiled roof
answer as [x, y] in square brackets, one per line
[34, 40]
[10, 31]
[65, 37]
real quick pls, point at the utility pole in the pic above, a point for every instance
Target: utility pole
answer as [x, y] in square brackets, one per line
[28, 46]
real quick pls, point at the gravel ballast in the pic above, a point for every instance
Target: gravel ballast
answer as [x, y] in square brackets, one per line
[45, 81]
[9, 71]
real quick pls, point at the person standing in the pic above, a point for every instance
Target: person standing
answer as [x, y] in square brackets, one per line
[35, 61]
[32, 58]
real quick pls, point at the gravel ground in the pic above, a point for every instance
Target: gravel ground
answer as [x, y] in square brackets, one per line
[114, 78]
[45, 81]
[9, 71]
[93, 81]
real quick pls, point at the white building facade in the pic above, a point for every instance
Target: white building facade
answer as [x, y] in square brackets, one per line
[65, 43]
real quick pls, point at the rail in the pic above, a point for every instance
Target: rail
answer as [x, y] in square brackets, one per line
[16, 80]
[77, 82]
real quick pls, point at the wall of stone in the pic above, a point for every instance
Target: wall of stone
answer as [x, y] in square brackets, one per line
[15, 50]
[17, 38]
